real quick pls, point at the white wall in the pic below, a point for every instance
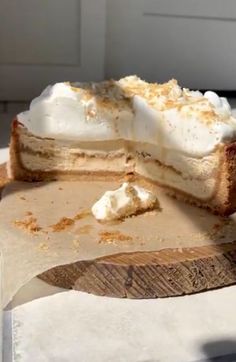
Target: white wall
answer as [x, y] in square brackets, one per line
[46, 41]
[43, 41]
[191, 40]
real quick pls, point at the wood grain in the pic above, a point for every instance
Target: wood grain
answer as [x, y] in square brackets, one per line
[168, 272]
[164, 273]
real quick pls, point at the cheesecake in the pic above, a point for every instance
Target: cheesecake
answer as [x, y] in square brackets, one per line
[181, 140]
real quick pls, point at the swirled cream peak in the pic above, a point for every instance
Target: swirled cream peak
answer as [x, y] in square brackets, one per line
[125, 201]
[133, 110]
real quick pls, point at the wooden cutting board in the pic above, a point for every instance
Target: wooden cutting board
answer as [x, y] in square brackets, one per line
[164, 273]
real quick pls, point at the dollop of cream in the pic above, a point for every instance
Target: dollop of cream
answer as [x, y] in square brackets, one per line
[220, 104]
[133, 110]
[123, 202]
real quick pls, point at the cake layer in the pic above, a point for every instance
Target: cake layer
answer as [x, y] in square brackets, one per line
[180, 139]
[56, 159]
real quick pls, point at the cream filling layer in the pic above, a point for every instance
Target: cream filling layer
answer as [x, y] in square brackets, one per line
[195, 176]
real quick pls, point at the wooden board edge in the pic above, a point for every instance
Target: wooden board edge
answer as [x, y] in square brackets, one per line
[150, 280]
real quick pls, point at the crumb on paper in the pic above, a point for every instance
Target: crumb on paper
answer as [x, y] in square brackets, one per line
[113, 236]
[62, 224]
[43, 246]
[82, 214]
[160, 239]
[28, 213]
[60, 188]
[76, 243]
[22, 198]
[220, 230]
[30, 224]
[66, 222]
[45, 231]
[217, 226]
[85, 229]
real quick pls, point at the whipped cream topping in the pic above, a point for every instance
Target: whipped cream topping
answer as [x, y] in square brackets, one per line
[132, 109]
[125, 201]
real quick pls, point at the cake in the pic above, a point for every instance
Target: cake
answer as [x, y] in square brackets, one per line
[180, 139]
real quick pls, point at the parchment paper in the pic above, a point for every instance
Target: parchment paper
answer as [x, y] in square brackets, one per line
[27, 254]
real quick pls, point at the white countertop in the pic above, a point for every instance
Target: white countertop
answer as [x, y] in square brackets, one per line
[73, 326]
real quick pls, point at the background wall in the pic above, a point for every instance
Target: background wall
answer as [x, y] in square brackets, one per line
[44, 41]
[191, 40]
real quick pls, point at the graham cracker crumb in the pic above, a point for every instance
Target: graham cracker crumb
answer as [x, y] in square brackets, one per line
[219, 230]
[62, 224]
[82, 214]
[29, 213]
[84, 229]
[113, 236]
[66, 222]
[43, 246]
[22, 198]
[30, 225]
[217, 226]
[76, 243]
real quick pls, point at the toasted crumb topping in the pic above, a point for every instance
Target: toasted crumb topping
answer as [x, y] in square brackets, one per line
[107, 95]
[113, 95]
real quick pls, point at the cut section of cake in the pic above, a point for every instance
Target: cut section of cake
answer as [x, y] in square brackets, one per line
[179, 139]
